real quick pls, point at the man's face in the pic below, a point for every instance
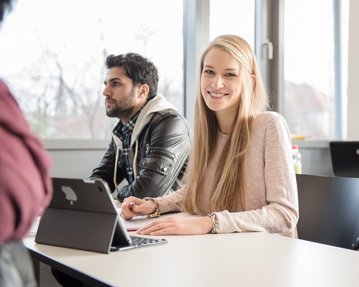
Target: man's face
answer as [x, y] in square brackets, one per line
[123, 99]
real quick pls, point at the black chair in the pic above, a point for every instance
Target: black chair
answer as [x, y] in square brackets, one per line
[329, 210]
[345, 158]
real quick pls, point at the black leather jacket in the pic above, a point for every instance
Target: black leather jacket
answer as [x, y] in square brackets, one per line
[163, 149]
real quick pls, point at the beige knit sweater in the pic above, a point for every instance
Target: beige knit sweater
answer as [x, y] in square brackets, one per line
[271, 199]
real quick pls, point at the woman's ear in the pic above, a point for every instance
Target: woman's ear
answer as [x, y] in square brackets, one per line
[253, 78]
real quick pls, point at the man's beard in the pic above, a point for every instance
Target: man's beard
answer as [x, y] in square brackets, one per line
[120, 112]
[123, 109]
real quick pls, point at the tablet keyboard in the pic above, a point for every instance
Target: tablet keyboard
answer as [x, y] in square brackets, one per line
[138, 241]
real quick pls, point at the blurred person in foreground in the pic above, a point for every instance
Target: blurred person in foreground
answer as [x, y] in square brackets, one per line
[25, 185]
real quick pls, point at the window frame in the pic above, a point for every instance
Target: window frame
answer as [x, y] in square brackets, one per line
[269, 21]
[270, 25]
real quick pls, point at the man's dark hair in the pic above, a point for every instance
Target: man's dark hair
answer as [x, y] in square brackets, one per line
[5, 5]
[139, 69]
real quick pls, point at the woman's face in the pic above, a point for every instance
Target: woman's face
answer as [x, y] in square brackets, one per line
[220, 82]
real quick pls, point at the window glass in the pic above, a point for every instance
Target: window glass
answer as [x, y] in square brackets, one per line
[53, 52]
[309, 68]
[233, 17]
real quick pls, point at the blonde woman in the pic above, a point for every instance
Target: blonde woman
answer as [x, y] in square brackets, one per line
[240, 176]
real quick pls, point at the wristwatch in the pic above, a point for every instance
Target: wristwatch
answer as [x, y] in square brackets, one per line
[214, 219]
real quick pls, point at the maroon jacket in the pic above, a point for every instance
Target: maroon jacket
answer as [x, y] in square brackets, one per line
[25, 184]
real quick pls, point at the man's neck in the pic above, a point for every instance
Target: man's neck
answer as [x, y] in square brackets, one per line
[125, 120]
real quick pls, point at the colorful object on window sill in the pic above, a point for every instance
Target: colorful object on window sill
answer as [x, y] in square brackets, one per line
[297, 159]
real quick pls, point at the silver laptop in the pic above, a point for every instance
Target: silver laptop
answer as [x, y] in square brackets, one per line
[345, 158]
[82, 215]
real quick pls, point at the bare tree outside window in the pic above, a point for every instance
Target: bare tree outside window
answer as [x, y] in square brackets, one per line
[309, 68]
[55, 62]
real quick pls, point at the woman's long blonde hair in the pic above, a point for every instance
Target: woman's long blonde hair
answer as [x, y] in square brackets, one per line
[228, 188]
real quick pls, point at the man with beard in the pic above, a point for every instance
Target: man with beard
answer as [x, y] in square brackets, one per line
[151, 141]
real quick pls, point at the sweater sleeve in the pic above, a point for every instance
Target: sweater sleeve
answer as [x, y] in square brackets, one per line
[279, 213]
[171, 202]
[25, 184]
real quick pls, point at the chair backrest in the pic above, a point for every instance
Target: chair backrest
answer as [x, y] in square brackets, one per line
[329, 210]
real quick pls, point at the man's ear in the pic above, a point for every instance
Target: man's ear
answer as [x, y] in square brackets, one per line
[144, 89]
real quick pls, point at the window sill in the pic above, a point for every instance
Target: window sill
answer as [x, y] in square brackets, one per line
[62, 144]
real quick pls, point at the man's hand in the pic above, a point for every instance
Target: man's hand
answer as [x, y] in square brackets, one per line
[133, 206]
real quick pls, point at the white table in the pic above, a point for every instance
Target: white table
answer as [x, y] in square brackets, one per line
[246, 259]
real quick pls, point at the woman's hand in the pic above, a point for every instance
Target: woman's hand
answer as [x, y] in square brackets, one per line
[133, 206]
[174, 226]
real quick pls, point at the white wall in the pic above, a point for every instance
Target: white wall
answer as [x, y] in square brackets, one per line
[75, 158]
[316, 157]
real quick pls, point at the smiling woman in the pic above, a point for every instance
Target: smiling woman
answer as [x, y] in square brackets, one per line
[240, 176]
[59, 84]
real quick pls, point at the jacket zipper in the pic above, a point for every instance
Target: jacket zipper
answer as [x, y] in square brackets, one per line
[159, 151]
